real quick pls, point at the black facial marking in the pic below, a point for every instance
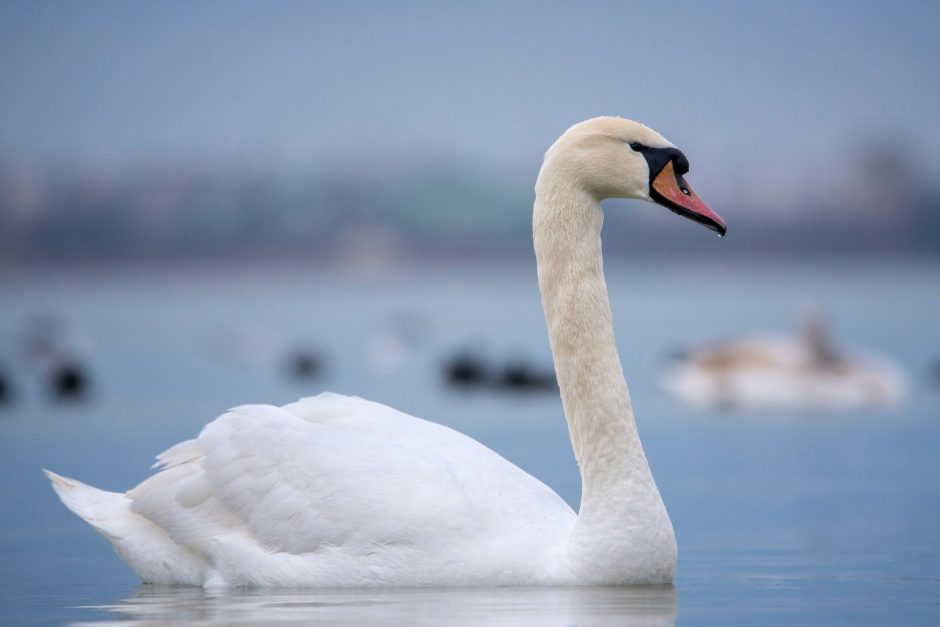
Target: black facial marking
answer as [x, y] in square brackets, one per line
[657, 158]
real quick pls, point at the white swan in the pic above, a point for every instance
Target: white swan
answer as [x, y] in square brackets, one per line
[339, 491]
[804, 372]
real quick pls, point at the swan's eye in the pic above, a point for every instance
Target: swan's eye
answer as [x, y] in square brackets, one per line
[637, 146]
[685, 191]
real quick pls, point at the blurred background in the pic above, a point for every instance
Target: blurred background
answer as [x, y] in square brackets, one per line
[167, 131]
[214, 203]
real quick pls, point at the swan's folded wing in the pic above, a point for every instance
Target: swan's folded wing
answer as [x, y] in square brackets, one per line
[298, 486]
[365, 477]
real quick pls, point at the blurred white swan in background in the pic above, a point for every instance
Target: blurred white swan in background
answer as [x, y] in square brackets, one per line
[802, 372]
[339, 491]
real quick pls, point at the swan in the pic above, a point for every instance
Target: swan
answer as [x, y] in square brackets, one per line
[335, 490]
[804, 372]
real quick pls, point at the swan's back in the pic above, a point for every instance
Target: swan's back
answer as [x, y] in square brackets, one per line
[337, 490]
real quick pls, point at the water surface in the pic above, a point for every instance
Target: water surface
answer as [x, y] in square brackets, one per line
[780, 518]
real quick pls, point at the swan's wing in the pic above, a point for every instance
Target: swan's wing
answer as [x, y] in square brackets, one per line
[338, 471]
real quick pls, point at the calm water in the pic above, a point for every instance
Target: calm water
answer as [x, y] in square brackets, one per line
[780, 518]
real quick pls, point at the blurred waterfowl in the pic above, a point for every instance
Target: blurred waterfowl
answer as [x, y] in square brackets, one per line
[466, 369]
[304, 363]
[6, 389]
[59, 354]
[803, 372]
[68, 381]
[520, 376]
[338, 491]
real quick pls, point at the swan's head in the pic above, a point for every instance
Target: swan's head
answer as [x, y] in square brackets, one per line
[611, 157]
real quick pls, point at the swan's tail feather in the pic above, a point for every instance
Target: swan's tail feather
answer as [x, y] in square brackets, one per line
[146, 548]
[103, 510]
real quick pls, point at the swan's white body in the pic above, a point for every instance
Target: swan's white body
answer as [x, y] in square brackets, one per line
[339, 491]
[332, 491]
[776, 372]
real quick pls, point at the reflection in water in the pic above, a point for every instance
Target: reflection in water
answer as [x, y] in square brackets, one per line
[151, 605]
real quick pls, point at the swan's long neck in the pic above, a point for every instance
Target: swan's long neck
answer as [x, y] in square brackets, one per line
[620, 504]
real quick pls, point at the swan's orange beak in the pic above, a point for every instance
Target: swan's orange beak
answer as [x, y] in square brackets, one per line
[670, 190]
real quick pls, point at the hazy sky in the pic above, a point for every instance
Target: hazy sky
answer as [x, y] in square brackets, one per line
[742, 87]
